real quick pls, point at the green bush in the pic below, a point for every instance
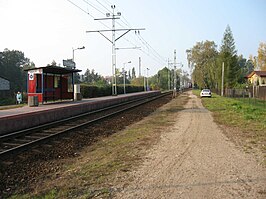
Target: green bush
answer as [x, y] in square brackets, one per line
[7, 101]
[91, 91]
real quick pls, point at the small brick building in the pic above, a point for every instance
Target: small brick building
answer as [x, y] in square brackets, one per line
[4, 87]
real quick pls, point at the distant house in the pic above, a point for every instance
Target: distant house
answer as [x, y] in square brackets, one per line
[4, 87]
[257, 78]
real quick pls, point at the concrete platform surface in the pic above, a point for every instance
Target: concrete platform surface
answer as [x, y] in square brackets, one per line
[26, 117]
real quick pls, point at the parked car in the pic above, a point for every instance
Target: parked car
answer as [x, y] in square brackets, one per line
[206, 93]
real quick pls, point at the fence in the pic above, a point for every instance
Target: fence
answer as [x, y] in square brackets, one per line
[253, 95]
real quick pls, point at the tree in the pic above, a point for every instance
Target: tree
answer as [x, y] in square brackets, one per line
[262, 56]
[228, 55]
[203, 56]
[53, 63]
[93, 78]
[162, 77]
[246, 67]
[139, 81]
[11, 67]
[133, 73]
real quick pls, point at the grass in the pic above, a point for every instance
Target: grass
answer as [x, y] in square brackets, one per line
[107, 161]
[248, 119]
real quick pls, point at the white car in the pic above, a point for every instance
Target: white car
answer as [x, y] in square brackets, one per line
[206, 93]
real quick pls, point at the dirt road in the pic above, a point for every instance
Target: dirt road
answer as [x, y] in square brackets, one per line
[195, 160]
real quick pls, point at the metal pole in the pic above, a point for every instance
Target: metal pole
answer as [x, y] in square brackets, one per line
[139, 66]
[222, 91]
[73, 54]
[147, 79]
[113, 40]
[144, 83]
[124, 75]
[174, 73]
[114, 88]
[168, 75]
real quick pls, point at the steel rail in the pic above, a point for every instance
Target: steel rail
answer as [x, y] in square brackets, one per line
[47, 125]
[23, 147]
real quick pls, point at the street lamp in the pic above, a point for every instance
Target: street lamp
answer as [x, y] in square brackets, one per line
[147, 79]
[124, 75]
[74, 75]
[73, 51]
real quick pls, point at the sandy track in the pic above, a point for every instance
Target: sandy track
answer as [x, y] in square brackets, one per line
[195, 160]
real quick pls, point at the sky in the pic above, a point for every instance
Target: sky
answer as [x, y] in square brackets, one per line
[47, 30]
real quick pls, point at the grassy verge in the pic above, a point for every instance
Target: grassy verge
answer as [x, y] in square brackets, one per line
[106, 162]
[248, 120]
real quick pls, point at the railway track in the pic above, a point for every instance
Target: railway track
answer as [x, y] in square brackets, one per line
[14, 143]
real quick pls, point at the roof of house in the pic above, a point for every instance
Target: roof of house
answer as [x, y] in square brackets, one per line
[4, 78]
[55, 70]
[259, 73]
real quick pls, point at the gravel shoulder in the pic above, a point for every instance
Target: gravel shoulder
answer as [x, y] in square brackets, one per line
[194, 159]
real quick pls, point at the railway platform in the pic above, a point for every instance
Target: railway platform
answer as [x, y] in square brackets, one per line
[25, 117]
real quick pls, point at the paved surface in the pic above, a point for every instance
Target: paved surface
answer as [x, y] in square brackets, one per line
[49, 106]
[43, 107]
[195, 160]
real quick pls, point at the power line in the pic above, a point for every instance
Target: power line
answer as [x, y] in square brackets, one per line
[87, 13]
[104, 6]
[94, 7]
[79, 7]
[150, 51]
[113, 16]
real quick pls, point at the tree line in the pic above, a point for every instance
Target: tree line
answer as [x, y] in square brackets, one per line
[206, 62]
[204, 59]
[12, 65]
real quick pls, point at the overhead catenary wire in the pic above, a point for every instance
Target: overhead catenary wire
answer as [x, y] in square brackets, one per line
[87, 13]
[94, 7]
[107, 9]
[147, 49]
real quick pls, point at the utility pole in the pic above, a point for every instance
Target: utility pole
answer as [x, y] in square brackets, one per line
[114, 87]
[144, 82]
[222, 88]
[124, 78]
[148, 79]
[174, 73]
[114, 16]
[139, 66]
[168, 74]
[124, 75]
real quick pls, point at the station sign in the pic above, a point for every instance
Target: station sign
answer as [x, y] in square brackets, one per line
[32, 72]
[69, 63]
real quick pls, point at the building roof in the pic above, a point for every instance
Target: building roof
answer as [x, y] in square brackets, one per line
[55, 70]
[259, 73]
[4, 78]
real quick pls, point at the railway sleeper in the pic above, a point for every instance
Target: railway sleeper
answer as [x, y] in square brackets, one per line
[21, 140]
[41, 134]
[48, 131]
[33, 137]
[10, 144]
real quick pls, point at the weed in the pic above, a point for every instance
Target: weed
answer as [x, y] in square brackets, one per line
[92, 173]
[248, 118]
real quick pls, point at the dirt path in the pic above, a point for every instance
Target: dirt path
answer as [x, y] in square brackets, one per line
[195, 160]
